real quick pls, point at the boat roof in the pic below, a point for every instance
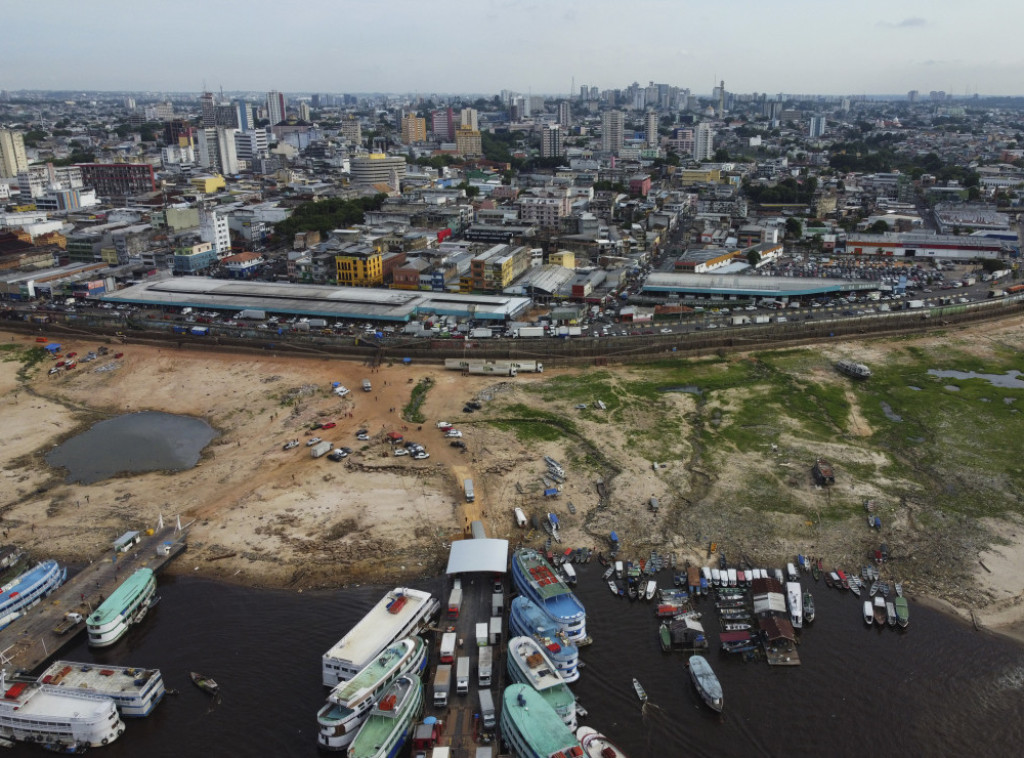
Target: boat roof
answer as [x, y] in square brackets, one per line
[536, 567]
[116, 681]
[533, 616]
[533, 661]
[539, 724]
[407, 691]
[379, 627]
[706, 676]
[23, 583]
[121, 597]
[363, 683]
[33, 700]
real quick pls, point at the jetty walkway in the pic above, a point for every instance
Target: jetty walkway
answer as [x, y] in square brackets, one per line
[29, 642]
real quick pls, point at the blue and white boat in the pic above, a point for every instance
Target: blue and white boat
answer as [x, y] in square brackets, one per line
[28, 589]
[526, 619]
[535, 579]
[528, 664]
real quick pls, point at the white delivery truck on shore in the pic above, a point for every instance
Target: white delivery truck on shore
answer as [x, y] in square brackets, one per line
[442, 685]
[321, 449]
[462, 675]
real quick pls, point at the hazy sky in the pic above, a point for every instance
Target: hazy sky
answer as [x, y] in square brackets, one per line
[538, 46]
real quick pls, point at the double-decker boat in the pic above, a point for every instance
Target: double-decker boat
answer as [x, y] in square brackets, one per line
[535, 579]
[527, 663]
[387, 729]
[28, 589]
[135, 691]
[126, 606]
[526, 619]
[350, 701]
[400, 613]
[532, 728]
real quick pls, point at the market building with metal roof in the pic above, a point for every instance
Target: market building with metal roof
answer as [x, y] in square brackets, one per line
[662, 284]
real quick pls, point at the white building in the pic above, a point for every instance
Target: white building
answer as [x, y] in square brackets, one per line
[213, 228]
[651, 128]
[703, 142]
[613, 126]
[251, 145]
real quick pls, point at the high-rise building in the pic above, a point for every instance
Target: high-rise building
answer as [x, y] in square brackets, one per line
[351, 130]
[275, 107]
[215, 149]
[378, 168]
[442, 124]
[12, 153]
[208, 110]
[251, 145]
[613, 125]
[304, 114]
[703, 142]
[243, 116]
[414, 129]
[470, 117]
[584, 92]
[912, 96]
[651, 128]
[213, 228]
[817, 126]
[118, 180]
[551, 141]
[564, 114]
[468, 142]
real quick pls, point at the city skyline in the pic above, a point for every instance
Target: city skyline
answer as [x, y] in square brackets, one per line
[520, 45]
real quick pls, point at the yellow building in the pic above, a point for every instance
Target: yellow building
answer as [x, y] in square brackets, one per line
[564, 258]
[209, 184]
[468, 141]
[359, 266]
[690, 176]
[414, 129]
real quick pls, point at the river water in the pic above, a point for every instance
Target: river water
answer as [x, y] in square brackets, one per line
[938, 689]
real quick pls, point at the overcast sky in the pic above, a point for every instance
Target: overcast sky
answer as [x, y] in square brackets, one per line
[539, 46]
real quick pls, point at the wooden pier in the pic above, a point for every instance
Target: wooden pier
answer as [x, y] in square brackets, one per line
[30, 641]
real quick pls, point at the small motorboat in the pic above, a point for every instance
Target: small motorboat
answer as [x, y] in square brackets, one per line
[879, 610]
[808, 608]
[869, 614]
[890, 612]
[204, 683]
[613, 587]
[640, 691]
[816, 570]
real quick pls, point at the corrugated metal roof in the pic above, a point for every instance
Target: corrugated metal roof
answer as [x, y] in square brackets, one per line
[478, 556]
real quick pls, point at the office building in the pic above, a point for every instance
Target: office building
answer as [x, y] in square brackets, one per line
[275, 107]
[817, 126]
[470, 117]
[703, 142]
[351, 130]
[12, 153]
[213, 228]
[468, 142]
[118, 180]
[414, 129]
[244, 120]
[207, 110]
[613, 126]
[252, 145]
[378, 168]
[442, 124]
[651, 128]
[564, 114]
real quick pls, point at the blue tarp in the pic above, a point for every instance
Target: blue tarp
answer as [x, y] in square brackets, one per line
[53, 347]
[553, 518]
[613, 537]
[550, 493]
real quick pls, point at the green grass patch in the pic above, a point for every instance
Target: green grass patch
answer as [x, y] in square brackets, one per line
[412, 411]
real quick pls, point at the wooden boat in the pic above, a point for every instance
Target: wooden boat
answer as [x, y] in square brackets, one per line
[899, 589]
[665, 635]
[854, 585]
[640, 691]
[874, 589]
[808, 608]
[844, 581]
[902, 612]
[879, 610]
[204, 683]
[816, 570]
[884, 587]
[830, 579]
[613, 587]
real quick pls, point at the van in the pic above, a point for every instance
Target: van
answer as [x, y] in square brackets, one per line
[367, 387]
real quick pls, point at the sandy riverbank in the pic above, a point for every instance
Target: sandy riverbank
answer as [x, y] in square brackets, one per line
[264, 516]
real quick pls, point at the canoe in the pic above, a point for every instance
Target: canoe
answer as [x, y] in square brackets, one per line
[640, 691]
[204, 683]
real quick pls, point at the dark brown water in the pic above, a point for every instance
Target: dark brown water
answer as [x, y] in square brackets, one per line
[938, 689]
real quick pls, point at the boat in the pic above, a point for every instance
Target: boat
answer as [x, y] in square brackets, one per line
[869, 614]
[204, 683]
[884, 588]
[135, 691]
[526, 619]
[716, 576]
[899, 589]
[620, 569]
[400, 613]
[823, 473]
[387, 728]
[854, 585]
[608, 573]
[735, 627]
[49, 715]
[613, 586]
[640, 691]
[831, 579]
[816, 570]
[350, 702]
[879, 610]
[28, 589]
[844, 581]
[650, 589]
[808, 607]
[706, 682]
[126, 606]
[853, 370]
[794, 599]
[531, 727]
[596, 745]
[902, 612]
[890, 612]
[874, 589]
[665, 635]
[631, 591]
[529, 664]
[534, 578]
[569, 572]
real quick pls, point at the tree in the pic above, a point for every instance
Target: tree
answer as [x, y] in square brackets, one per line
[794, 228]
[469, 190]
[879, 227]
[753, 257]
[721, 155]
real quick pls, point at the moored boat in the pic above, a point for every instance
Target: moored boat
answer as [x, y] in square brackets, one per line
[528, 663]
[526, 619]
[28, 589]
[879, 610]
[706, 682]
[869, 614]
[890, 612]
[387, 728]
[204, 682]
[816, 570]
[794, 600]
[532, 728]
[596, 745]
[853, 369]
[126, 606]
[808, 607]
[135, 691]
[902, 611]
[535, 579]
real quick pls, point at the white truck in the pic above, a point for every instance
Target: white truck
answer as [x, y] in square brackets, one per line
[487, 708]
[531, 331]
[462, 675]
[481, 334]
[484, 665]
[321, 449]
[481, 634]
[448, 640]
[367, 387]
[913, 304]
[442, 685]
[467, 486]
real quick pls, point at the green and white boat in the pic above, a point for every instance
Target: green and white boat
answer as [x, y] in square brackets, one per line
[902, 612]
[529, 664]
[387, 729]
[532, 728]
[350, 703]
[126, 606]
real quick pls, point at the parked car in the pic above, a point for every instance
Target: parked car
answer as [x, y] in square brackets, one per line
[453, 433]
[401, 451]
[474, 405]
[363, 437]
[337, 455]
[421, 455]
[328, 425]
[312, 441]
[458, 443]
[443, 425]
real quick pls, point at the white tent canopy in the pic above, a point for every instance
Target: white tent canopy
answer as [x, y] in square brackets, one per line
[478, 556]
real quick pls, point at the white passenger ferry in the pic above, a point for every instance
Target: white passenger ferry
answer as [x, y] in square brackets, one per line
[60, 720]
[127, 605]
[28, 589]
[134, 691]
[350, 702]
[400, 613]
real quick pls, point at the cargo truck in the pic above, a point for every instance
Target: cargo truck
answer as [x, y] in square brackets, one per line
[317, 323]
[321, 448]
[367, 387]
[455, 603]
[913, 304]
[487, 709]
[481, 333]
[531, 331]
[484, 668]
[467, 485]
[495, 626]
[448, 647]
[481, 634]
[442, 685]
[462, 675]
